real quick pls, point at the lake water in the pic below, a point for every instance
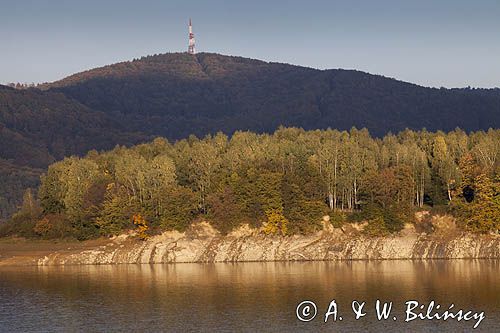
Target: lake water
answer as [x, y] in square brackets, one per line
[244, 297]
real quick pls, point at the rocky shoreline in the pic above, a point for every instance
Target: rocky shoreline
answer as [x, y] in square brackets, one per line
[202, 243]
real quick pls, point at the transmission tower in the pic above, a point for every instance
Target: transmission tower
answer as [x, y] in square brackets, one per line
[191, 49]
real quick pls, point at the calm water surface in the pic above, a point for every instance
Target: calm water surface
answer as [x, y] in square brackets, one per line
[243, 297]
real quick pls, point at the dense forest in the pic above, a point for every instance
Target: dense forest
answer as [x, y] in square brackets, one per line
[174, 95]
[284, 182]
[38, 128]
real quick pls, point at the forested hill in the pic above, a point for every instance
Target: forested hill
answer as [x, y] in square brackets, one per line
[176, 94]
[38, 128]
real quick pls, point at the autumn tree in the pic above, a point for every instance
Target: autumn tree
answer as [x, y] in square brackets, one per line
[443, 164]
[276, 223]
[141, 226]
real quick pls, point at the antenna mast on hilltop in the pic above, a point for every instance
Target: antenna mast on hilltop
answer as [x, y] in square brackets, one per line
[191, 49]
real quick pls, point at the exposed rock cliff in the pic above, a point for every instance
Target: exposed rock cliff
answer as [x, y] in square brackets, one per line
[204, 244]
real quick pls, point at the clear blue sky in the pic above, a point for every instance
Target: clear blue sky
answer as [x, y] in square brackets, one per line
[451, 43]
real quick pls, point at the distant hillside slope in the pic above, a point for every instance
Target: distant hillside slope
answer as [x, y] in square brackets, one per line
[177, 94]
[38, 128]
[14, 180]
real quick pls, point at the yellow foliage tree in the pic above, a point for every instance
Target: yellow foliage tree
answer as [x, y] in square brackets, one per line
[276, 222]
[484, 211]
[142, 226]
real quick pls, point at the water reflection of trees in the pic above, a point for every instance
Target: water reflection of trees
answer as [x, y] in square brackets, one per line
[351, 278]
[183, 293]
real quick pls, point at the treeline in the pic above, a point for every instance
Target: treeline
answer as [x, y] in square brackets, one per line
[19, 85]
[284, 182]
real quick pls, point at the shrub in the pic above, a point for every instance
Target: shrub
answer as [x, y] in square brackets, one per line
[392, 218]
[337, 219]
[376, 227]
[276, 222]
[180, 209]
[225, 213]
[53, 226]
[142, 226]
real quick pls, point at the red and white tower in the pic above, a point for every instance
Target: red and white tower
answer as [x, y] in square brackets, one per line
[191, 49]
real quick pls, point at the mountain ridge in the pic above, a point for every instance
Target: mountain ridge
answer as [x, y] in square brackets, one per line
[207, 92]
[155, 57]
